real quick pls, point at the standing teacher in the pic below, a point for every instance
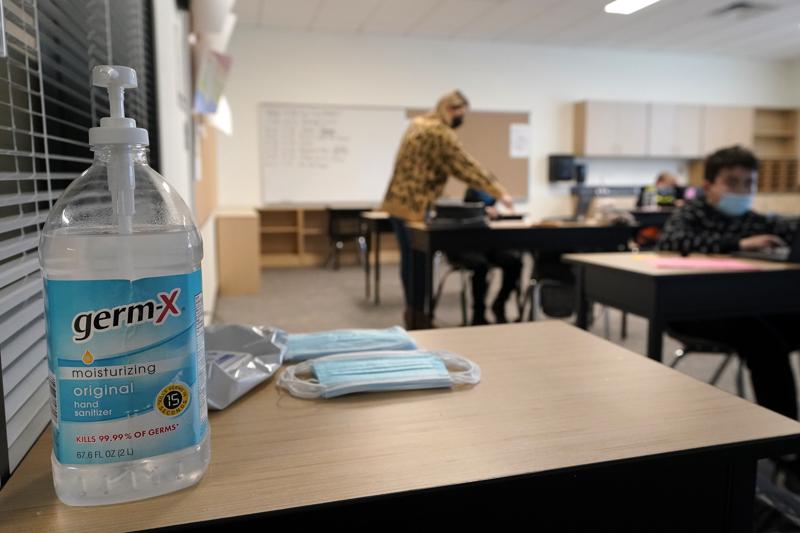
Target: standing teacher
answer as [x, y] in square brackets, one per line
[429, 153]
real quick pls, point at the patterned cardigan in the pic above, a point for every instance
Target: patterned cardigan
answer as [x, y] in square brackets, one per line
[700, 227]
[429, 153]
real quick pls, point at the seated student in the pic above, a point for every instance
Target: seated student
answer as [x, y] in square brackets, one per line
[722, 222]
[480, 262]
[666, 192]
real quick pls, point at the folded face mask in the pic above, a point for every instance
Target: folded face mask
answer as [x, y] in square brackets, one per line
[337, 375]
[303, 346]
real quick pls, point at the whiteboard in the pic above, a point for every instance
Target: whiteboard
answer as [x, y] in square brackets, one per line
[320, 153]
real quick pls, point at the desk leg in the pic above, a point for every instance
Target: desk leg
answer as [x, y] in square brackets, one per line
[583, 307]
[421, 300]
[377, 240]
[367, 273]
[655, 338]
[428, 279]
[741, 493]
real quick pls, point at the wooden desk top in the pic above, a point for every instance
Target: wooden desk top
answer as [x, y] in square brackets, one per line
[317, 206]
[642, 263]
[236, 212]
[522, 224]
[551, 397]
[375, 215]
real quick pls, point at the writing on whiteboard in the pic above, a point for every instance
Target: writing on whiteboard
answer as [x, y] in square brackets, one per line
[304, 138]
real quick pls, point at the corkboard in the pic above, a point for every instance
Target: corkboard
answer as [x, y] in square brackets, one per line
[486, 136]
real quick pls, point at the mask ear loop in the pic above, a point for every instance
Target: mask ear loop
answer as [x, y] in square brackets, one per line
[466, 371]
[296, 386]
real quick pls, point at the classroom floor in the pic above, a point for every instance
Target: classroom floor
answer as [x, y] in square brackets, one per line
[309, 299]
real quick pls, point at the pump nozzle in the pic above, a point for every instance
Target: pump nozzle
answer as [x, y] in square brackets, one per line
[116, 79]
[121, 133]
[116, 129]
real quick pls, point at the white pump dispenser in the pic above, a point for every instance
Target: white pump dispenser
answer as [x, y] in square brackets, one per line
[120, 132]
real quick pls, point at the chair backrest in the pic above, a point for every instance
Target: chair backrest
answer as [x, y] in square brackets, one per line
[557, 284]
[344, 223]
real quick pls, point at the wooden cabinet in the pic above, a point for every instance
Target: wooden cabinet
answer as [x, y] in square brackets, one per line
[237, 252]
[675, 130]
[610, 129]
[727, 126]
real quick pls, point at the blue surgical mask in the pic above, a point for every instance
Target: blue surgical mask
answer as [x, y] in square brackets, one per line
[337, 375]
[302, 346]
[734, 205]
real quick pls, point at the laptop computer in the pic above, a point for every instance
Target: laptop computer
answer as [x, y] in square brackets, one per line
[785, 254]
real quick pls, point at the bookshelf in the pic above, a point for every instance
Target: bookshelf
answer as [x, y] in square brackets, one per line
[296, 235]
[775, 141]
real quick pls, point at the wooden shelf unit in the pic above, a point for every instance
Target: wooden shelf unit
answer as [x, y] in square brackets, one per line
[297, 236]
[775, 140]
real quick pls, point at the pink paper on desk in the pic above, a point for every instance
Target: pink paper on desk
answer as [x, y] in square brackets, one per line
[702, 263]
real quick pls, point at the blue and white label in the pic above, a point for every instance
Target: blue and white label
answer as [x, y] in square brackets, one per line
[127, 367]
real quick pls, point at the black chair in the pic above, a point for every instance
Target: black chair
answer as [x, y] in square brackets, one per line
[345, 225]
[465, 276]
[552, 291]
[697, 345]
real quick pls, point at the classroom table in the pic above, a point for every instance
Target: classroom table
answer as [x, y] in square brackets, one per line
[375, 222]
[635, 283]
[566, 432]
[519, 235]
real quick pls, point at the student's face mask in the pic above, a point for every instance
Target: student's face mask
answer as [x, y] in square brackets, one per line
[734, 205]
[337, 375]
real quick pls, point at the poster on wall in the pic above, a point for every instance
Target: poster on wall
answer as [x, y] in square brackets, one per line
[520, 141]
[214, 68]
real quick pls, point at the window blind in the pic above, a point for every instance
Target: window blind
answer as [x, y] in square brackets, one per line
[47, 105]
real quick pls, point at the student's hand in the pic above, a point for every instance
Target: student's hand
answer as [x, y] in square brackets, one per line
[492, 212]
[759, 242]
[507, 201]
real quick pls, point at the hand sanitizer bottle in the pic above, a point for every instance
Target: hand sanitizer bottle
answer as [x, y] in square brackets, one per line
[124, 313]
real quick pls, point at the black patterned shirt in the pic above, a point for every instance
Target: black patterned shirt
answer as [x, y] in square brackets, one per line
[429, 154]
[700, 227]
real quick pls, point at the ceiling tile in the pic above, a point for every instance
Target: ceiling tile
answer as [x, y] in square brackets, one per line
[247, 11]
[450, 15]
[393, 17]
[494, 22]
[343, 15]
[289, 14]
[676, 26]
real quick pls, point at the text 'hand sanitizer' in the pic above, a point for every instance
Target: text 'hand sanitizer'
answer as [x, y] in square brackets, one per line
[124, 312]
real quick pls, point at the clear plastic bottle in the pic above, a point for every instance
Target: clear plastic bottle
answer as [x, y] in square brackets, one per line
[121, 260]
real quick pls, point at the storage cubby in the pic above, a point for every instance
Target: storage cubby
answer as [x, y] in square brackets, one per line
[297, 235]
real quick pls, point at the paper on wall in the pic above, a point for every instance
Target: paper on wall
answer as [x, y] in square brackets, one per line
[520, 141]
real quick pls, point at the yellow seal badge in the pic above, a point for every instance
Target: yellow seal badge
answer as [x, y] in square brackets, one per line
[173, 399]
